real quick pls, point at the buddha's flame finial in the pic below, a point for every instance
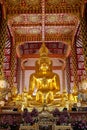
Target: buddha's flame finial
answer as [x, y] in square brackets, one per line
[43, 50]
[44, 55]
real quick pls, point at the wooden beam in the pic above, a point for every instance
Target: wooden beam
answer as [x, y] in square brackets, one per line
[33, 67]
[60, 56]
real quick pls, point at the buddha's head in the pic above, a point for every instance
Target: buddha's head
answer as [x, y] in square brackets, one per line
[43, 64]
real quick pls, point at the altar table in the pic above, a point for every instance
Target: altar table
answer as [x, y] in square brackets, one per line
[33, 127]
[56, 127]
[62, 127]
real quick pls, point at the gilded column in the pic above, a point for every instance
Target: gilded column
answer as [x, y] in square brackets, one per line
[3, 27]
[63, 80]
[68, 74]
[74, 64]
[23, 79]
[84, 38]
[12, 63]
[18, 73]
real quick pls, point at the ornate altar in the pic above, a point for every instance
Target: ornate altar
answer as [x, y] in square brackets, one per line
[46, 121]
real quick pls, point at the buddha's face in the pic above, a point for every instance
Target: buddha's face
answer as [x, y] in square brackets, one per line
[44, 64]
[44, 67]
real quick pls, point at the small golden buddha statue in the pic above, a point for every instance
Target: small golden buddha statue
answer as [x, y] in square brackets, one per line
[3, 87]
[73, 96]
[83, 90]
[12, 94]
[75, 93]
[44, 81]
[14, 98]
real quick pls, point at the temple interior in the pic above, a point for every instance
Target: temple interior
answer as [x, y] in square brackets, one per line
[43, 59]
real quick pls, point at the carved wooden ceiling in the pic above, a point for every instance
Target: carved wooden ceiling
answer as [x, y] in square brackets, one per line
[55, 22]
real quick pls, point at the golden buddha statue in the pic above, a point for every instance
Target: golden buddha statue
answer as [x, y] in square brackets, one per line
[14, 99]
[3, 87]
[12, 94]
[44, 81]
[83, 90]
[73, 96]
[75, 93]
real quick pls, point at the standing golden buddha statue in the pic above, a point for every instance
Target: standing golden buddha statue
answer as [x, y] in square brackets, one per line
[45, 82]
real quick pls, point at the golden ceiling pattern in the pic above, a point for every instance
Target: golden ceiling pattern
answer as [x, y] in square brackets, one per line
[56, 2]
[48, 20]
[27, 14]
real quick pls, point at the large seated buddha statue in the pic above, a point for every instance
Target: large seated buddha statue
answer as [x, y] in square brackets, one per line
[45, 82]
